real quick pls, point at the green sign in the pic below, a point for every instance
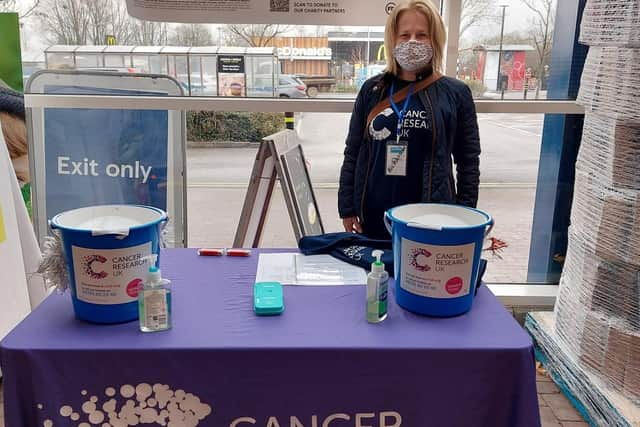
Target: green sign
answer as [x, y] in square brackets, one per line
[10, 61]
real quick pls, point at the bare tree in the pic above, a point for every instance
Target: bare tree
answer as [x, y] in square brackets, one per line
[23, 10]
[541, 33]
[191, 35]
[65, 21]
[255, 35]
[107, 18]
[148, 33]
[85, 21]
[357, 55]
[476, 12]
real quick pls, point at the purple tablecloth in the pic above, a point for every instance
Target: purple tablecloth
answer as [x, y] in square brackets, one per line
[319, 364]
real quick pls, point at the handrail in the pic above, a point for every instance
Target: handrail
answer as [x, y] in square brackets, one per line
[269, 105]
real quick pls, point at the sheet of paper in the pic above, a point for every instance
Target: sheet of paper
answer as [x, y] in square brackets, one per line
[312, 270]
[279, 267]
[327, 270]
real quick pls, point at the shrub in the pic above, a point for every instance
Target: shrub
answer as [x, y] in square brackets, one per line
[477, 87]
[205, 126]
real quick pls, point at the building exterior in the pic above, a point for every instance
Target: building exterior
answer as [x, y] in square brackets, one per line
[304, 56]
[512, 72]
[356, 55]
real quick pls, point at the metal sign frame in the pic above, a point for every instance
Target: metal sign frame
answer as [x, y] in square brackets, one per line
[268, 168]
[176, 135]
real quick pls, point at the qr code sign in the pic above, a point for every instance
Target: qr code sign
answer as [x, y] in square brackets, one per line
[279, 5]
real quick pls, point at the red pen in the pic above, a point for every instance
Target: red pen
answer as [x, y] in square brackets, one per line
[210, 252]
[238, 252]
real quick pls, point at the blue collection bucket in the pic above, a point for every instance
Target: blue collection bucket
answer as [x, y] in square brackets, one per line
[436, 253]
[104, 247]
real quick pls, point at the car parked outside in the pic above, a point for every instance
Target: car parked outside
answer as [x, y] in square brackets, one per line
[289, 86]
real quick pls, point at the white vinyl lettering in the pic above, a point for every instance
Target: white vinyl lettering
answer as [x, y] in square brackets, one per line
[113, 170]
[295, 422]
[361, 417]
[273, 422]
[63, 165]
[397, 419]
[327, 421]
[145, 172]
[244, 420]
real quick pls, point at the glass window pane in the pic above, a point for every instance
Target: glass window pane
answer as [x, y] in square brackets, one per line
[60, 60]
[210, 87]
[197, 85]
[509, 168]
[158, 64]
[141, 64]
[505, 51]
[181, 73]
[87, 61]
[111, 60]
[260, 76]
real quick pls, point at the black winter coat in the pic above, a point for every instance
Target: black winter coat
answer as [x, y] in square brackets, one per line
[456, 139]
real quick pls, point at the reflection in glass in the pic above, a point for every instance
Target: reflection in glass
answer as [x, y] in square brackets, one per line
[112, 60]
[87, 61]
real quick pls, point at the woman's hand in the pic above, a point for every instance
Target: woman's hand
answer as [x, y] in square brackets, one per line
[352, 224]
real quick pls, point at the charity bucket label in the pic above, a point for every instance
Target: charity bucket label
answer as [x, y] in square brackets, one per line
[109, 276]
[436, 271]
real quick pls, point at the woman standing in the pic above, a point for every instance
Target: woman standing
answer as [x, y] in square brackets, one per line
[407, 128]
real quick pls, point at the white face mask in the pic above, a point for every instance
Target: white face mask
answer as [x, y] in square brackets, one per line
[413, 55]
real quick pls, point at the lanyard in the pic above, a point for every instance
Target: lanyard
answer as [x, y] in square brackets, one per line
[400, 113]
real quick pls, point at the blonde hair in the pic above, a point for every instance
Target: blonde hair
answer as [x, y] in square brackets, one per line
[15, 134]
[437, 32]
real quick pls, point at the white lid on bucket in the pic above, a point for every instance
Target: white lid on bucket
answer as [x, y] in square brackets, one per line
[108, 219]
[438, 216]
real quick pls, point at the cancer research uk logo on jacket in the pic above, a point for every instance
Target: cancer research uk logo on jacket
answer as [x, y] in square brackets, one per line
[160, 405]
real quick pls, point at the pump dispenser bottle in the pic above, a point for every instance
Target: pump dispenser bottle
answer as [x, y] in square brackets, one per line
[154, 300]
[377, 290]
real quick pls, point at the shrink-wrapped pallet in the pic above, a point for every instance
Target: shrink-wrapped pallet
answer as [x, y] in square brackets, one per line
[611, 23]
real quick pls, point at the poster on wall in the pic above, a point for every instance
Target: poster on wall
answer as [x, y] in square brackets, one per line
[288, 12]
[10, 63]
[231, 76]
[124, 163]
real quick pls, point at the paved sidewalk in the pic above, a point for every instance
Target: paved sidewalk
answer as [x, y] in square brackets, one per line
[213, 215]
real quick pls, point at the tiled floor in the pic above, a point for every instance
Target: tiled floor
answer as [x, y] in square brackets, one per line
[555, 409]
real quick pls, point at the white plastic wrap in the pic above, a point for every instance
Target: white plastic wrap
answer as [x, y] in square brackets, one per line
[609, 83]
[610, 150]
[611, 22]
[597, 311]
[601, 403]
[597, 316]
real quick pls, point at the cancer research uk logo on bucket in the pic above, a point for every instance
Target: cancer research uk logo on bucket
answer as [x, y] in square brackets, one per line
[88, 262]
[109, 276]
[436, 271]
[419, 258]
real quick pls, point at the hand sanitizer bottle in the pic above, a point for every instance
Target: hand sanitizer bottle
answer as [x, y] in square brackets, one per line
[377, 290]
[154, 301]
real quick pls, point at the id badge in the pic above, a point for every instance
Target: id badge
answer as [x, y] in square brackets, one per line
[396, 164]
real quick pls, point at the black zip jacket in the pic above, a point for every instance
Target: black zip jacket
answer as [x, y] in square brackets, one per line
[455, 139]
